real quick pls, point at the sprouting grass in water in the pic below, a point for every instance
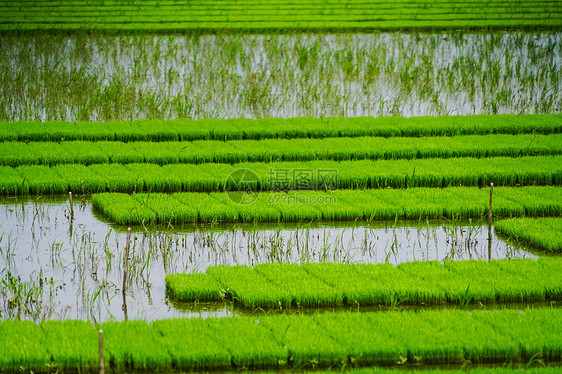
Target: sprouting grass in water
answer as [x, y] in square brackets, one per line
[277, 75]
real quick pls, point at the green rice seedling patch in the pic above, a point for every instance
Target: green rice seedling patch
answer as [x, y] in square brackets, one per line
[195, 286]
[418, 203]
[402, 288]
[532, 345]
[287, 150]
[23, 346]
[309, 344]
[357, 286]
[545, 233]
[267, 128]
[249, 288]
[62, 337]
[416, 283]
[134, 345]
[549, 277]
[250, 344]
[305, 289]
[540, 170]
[295, 341]
[367, 337]
[480, 342]
[124, 209]
[190, 345]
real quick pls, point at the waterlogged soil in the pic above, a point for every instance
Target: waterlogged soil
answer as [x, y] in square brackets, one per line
[55, 266]
[101, 77]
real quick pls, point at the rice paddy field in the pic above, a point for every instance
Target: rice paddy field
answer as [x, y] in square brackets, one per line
[283, 186]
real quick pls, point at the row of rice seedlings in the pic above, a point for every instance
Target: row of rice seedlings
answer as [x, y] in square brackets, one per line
[395, 22]
[246, 286]
[477, 370]
[367, 284]
[480, 342]
[300, 340]
[491, 288]
[134, 345]
[339, 149]
[304, 289]
[251, 346]
[191, 345]
[540, 232]
[401, 287]
[62, 336]
[366, 346]
[196, 286]
[22, 347]
[357, 286]
[502, 171]
[265, 128]
[315, 205]
[548, 278]
[124, 208]
[309, 344]
[75, 12]
[539, 344]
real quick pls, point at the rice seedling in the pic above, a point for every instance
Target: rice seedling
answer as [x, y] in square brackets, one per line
[23, 346]
[248, 287]
[455, 282]
[338, 149]
[191, 346]
[59, 179]
[547, 265]
[373, 343]
[272, 128]
[309, 345]
[371, 204]
[541, 232]
[196, 286]
[123, 208]
[305, 290]
[134, 345]
[252, 346]
[61, 338]
[295, 340]
[285, 16]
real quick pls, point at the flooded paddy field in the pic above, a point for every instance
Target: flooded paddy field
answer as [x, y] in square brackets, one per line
[56, 267]
[103, 77]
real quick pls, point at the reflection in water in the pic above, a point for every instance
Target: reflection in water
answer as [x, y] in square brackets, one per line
[53, 266]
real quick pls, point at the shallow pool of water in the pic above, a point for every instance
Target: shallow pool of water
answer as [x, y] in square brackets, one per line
[55, 267]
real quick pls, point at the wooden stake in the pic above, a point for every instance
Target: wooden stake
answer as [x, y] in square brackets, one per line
[101, 364]
[490, 212]
[126, 259]
[490, 223]
[71, 207]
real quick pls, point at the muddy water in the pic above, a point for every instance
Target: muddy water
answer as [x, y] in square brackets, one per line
[53, 266]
